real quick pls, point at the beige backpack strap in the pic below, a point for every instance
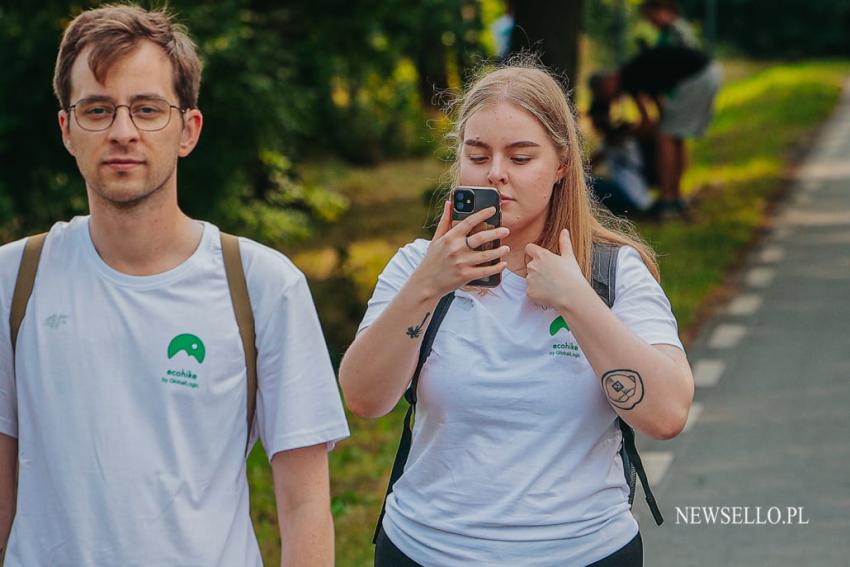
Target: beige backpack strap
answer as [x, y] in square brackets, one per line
[244, 318]
[25, 283]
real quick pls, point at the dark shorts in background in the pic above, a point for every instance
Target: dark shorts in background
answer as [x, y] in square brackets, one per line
[687, 111]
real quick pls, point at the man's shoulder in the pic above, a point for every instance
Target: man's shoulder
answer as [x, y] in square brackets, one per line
[10, 261]
[266, 267]
[11, 252]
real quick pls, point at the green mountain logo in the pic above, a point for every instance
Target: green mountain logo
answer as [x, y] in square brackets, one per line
[557, 325]
[190, 344]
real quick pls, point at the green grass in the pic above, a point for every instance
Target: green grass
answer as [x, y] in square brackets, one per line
[765, 115]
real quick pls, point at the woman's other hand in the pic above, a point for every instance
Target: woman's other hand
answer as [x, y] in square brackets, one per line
[553, 278]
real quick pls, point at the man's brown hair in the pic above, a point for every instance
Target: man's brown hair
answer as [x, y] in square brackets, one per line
[114, 31]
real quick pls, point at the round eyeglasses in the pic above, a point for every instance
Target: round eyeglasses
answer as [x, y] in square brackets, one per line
[146, 114]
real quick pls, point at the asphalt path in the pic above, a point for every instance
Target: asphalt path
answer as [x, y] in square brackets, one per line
[761, 475]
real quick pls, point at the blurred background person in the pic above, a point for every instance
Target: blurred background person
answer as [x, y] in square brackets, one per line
[683, 83]
[623, 166]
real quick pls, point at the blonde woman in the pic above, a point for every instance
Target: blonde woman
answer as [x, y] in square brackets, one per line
[514, 457]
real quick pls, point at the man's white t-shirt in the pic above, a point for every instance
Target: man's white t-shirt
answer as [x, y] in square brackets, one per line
[514, 459]
[129, 401]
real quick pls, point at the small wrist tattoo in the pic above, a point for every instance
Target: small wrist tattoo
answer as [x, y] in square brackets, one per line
[623, 387]
[414, 332]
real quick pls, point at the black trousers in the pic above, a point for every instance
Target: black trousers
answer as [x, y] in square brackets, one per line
[388, 555]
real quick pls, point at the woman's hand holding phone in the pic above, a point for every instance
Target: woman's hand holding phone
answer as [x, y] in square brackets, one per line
[452, 261]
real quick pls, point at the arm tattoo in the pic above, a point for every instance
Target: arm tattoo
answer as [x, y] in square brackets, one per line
[623, 387]
[414, 332]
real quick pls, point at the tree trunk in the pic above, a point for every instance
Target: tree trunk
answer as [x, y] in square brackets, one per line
[549, 28]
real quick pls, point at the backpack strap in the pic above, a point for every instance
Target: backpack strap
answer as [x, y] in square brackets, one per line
[410, 395]
[24, 284]
[603, 272]
[244, 320]
[604, 281]
[636, 465]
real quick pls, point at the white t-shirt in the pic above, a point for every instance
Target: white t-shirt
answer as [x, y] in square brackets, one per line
[129, 403]
[514, 459]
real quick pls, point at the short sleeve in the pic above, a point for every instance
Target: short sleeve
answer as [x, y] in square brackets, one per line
[298, 401]
[641, 304]
[10, 261]
[392, 279]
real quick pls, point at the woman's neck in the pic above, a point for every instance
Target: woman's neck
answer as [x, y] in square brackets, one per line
[518, 240]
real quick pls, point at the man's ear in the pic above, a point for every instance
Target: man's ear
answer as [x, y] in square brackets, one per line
[64, 129]
[193, 122]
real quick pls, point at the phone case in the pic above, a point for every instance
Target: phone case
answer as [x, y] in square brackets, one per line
[484, 197]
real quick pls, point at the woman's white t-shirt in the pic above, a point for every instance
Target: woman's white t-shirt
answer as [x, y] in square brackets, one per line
[514, 459]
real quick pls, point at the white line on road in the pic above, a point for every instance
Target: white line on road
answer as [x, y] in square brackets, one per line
[781, 232]
[707, 372]
[803, 199]
[744, 305]
[760, 277]
[772, 254]
[727, 336]
[656, 463]
[810, 185]
[693, 415]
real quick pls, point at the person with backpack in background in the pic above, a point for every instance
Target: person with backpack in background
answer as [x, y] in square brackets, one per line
[146, 350]
[525, 393]
[683, 83]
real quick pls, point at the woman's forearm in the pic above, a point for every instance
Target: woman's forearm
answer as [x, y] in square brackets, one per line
[650, 387]
[379, 364]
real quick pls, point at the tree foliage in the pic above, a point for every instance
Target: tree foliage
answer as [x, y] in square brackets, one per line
[780, 28]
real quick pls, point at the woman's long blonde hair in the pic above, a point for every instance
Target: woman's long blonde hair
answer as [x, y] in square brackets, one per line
[523, 82]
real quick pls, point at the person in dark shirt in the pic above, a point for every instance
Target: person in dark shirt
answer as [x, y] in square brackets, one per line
[683, 82]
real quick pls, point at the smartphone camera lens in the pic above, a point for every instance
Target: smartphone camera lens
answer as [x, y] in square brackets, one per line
[464, 201]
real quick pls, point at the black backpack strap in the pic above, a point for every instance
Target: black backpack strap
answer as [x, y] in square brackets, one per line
[604, 281]
[637, 466]
[410, 395]
[604, 271]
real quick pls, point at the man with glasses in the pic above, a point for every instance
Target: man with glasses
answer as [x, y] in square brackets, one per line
[123, 399]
